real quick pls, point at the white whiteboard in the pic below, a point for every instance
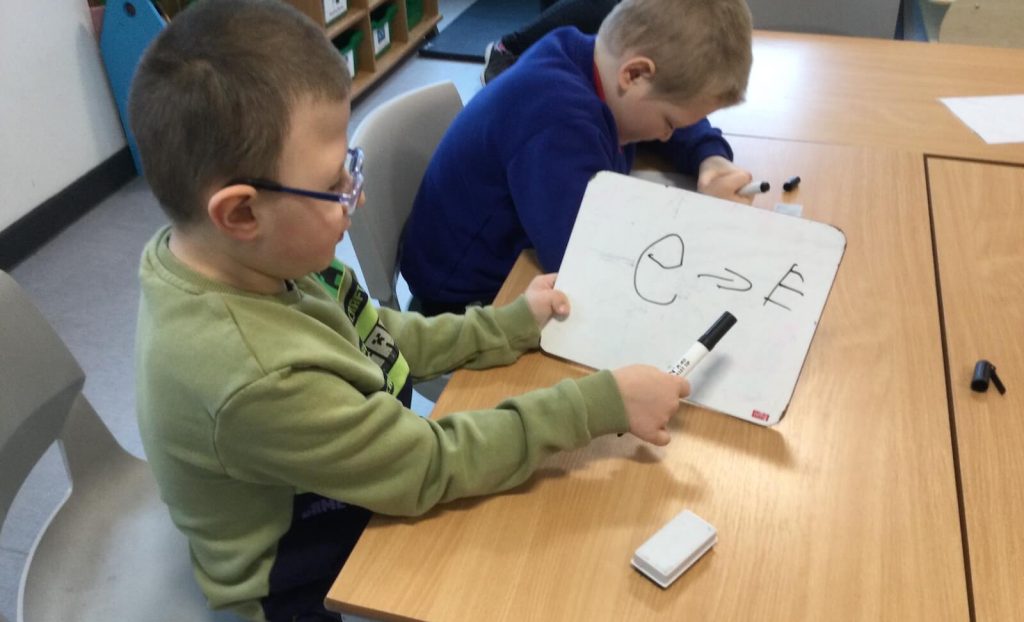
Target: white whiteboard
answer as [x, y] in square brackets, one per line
[649, 268]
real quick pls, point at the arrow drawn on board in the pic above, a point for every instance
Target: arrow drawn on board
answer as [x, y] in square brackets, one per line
[725, 278]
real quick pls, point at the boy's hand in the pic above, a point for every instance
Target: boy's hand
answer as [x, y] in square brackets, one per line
[544, 300]
[718, 177]
[651, 397]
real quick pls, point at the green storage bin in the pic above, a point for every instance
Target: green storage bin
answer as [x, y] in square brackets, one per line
[414, 12]
[380, 22]
[348, 46]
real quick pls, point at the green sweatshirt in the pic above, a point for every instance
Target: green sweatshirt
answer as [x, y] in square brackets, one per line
[248, 402]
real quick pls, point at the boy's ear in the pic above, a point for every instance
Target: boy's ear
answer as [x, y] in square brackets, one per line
[636, 70]
[230, 211]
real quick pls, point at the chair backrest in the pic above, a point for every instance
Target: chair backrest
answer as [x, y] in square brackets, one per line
[39, 381]
[86, 562]
[398, 137]
[993, 23]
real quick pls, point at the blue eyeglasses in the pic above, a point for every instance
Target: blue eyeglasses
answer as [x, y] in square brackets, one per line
[349, 200]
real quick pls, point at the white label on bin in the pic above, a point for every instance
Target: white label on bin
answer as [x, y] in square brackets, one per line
[350, 60]
[381, 38]
[334, 8]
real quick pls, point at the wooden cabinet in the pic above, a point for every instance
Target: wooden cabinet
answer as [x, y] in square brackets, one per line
[407, 25]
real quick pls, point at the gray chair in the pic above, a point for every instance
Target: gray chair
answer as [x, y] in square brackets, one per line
[398, 137]
[109, 552]
[992, 23]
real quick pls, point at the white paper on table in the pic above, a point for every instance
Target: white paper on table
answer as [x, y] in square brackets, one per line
[997, 119]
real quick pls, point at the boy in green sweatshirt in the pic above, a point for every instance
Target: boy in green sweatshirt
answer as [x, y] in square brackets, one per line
[272, 394]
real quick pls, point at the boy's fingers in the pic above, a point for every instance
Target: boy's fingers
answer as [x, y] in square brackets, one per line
[683, 387]
[546, 280]
[661, 438]
[735, 180]
[560, 303]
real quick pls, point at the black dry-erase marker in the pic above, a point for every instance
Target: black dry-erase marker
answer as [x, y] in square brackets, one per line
[704, 345]
[754, 187]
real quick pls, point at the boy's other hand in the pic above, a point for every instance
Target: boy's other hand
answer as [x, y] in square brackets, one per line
[544, 300]
[652, 398]
[718, 177]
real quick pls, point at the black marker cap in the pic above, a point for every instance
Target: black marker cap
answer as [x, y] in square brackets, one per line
[791, 183]
[985, 371]
[717, 330]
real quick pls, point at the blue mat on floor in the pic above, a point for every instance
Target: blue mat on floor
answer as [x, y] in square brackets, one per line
[484, 21]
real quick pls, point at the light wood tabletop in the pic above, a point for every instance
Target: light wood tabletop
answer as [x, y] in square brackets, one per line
[846, 510]
[861, 91]
[979, 234]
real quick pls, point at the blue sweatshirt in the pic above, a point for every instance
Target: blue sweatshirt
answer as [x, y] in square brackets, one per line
[512, 169]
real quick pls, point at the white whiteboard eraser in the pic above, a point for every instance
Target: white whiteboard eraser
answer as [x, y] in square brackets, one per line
[674, 548]
[790, 209]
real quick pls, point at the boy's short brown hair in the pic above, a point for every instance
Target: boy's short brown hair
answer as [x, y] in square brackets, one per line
[212, 97]
[700, 48]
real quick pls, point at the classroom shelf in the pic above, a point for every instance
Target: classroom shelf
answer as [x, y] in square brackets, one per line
[351, 18]
[404, 41]
[130, 25]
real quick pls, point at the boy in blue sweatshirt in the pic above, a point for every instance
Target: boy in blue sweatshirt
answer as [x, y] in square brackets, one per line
[512, 169]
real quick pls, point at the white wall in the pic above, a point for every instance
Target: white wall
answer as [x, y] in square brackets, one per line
[58, 119]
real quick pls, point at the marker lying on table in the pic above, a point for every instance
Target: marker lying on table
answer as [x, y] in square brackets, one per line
[704, 345]
[754, 187]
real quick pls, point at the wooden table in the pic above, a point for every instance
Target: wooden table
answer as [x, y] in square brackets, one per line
[979, 235]
[859, 91]
[847, 510]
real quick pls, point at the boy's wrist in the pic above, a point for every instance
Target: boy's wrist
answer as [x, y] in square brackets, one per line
[519, 324]
[606, 411]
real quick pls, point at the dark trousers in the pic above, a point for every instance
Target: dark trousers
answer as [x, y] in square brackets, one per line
[586, 15]
[430, 308]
